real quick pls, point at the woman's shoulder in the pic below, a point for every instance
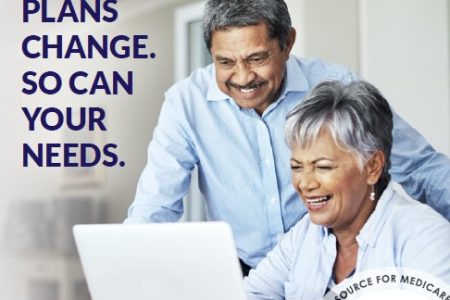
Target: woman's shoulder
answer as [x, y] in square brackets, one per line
[405, 212]
[421, 236]
[415, 227]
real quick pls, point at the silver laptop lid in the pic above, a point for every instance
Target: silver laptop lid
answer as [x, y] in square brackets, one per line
[167, 261]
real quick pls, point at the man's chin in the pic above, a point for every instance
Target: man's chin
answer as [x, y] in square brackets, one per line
[249, 103]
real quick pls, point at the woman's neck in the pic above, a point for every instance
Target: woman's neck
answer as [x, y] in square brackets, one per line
[346, 235]
[347, 245]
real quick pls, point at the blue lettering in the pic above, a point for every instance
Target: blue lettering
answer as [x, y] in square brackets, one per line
[112, 155]
[43, 83]
[94, 116]
[52, 152]
[94, 13]
[46, 45]
[72, 84]
[84, 155]
[45, 119]
[26, 79]
[31, 118]
[138, 45]
[93, 119]
[65, 155]
[45, 18]
[126, 85]
[69, 154]
[36, 157]
[67, 10]
[75, 46]
[25, 44]
[100, 83]
[125, 49]
[70, 122]
[114, 13]
[101, 49]
[27, 11]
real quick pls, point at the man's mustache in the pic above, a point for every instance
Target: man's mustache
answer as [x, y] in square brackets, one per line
[251, 85]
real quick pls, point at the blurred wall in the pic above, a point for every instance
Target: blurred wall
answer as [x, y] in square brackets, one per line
[327, 29]
[401, 46]
[405, 52]
[130, 119]
[38, 206]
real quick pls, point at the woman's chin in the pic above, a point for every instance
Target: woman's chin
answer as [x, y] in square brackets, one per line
[317, 221]
[320, 219]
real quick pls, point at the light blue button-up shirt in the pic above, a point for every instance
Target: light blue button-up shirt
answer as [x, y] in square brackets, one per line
[243, 161]
[400, 233]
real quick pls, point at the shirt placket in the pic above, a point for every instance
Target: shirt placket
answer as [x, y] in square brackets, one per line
[269, 182]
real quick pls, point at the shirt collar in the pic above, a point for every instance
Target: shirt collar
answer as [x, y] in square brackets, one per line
[295, 81]
[214, 93]
[372, 229]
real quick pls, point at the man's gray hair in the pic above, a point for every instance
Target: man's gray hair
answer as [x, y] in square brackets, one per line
[223, 14]
[356, 115]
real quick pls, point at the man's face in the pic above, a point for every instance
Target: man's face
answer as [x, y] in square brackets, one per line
[249, 66]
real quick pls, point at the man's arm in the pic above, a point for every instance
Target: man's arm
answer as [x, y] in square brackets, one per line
[166, 177]
[423, 172]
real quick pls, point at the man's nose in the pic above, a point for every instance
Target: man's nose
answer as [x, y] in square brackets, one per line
[243, 74]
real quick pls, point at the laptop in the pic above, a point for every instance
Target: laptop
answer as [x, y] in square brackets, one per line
[163, 261]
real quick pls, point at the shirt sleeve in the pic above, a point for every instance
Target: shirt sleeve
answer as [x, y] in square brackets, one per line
[271, 275]
[427, 244]
[419, 168]
[166, 177]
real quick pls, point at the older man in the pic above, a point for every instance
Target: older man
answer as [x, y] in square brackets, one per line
[228, 119]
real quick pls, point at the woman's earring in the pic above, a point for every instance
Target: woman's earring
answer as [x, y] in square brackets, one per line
[372, 194]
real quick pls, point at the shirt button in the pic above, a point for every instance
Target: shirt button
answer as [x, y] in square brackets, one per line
[267, 161]
[273, 200]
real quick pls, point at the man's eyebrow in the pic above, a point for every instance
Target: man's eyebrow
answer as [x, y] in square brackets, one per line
[251, 55]
[220, 57]
[259, 53]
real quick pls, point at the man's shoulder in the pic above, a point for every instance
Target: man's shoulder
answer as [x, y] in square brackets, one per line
[317, 70]
[198, 82]
[187, 99]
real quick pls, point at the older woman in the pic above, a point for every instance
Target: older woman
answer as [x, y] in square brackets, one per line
[341, 140]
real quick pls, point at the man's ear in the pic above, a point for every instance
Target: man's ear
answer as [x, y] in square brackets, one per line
[291, 39]
[374, 167]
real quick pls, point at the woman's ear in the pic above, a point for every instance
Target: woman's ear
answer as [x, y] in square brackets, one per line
[374, 167]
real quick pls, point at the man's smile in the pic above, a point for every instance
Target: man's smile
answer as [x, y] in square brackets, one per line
[247, 91]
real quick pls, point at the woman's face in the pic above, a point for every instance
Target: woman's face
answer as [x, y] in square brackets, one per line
[333, 187]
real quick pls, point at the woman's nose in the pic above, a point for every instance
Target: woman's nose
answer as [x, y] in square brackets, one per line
[308, 181]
